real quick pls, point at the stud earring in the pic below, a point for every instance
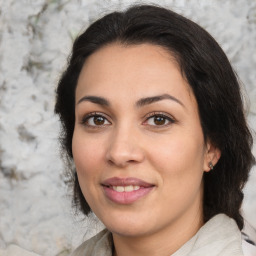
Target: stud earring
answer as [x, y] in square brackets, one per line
[211, 165]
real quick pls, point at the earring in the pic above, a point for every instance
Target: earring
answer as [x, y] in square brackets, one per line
[211, 165]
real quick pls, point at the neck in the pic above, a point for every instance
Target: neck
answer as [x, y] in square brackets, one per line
[164, 243]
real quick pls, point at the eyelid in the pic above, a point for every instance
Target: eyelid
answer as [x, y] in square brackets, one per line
[169, 117]
[92, 114]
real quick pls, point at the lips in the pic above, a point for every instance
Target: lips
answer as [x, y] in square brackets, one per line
[126, 190]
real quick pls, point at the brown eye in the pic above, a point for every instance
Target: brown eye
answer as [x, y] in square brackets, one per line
[98, 120]
[95, 120]
[159, 120]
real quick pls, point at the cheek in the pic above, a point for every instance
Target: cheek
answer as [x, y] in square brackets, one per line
[180, 168]
[178, 152]
[179, 160]
[87, 154]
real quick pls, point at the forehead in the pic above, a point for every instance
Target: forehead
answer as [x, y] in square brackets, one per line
[131, 71]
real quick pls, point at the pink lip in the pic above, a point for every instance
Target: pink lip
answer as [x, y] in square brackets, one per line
[126, 197]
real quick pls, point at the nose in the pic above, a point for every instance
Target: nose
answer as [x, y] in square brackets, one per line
[124, 148]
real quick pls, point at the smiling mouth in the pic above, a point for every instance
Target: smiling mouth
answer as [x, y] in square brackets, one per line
[126, 190]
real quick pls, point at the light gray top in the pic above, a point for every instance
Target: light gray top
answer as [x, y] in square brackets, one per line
[220, 236]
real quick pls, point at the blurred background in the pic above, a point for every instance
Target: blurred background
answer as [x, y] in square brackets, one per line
[35, 40]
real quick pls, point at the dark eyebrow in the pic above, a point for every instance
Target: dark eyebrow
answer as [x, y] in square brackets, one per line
[149, 100]
[95, 99]
[140, 103]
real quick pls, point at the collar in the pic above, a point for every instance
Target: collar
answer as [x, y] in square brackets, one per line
[219, 236]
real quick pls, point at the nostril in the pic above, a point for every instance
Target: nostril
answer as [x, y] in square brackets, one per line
[111, 162]
[132, 161]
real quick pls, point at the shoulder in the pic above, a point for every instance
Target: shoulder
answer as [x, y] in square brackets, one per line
[248, 249]
[249, 239]
[100, 244]
[219, 236]
[248, 246]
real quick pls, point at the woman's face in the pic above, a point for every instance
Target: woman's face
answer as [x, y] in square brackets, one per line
[138, 145]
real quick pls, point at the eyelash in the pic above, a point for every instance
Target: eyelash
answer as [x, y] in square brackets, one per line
[93, 115]
[165, 116]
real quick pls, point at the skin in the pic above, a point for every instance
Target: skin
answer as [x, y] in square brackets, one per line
[128, 141]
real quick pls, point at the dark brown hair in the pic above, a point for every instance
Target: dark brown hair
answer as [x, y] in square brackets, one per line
[206, 68]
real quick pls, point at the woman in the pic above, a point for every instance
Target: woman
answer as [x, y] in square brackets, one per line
[153, 118]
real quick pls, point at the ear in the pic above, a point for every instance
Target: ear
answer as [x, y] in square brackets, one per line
[212, 156]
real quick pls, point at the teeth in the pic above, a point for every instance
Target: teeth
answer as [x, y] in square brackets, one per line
[129, 188]
[118, 188]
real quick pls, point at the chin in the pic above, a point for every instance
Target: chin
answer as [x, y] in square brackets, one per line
[127, 226]
[130, 231]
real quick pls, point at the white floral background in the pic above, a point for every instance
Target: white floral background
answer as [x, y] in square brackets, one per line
[35, 40]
